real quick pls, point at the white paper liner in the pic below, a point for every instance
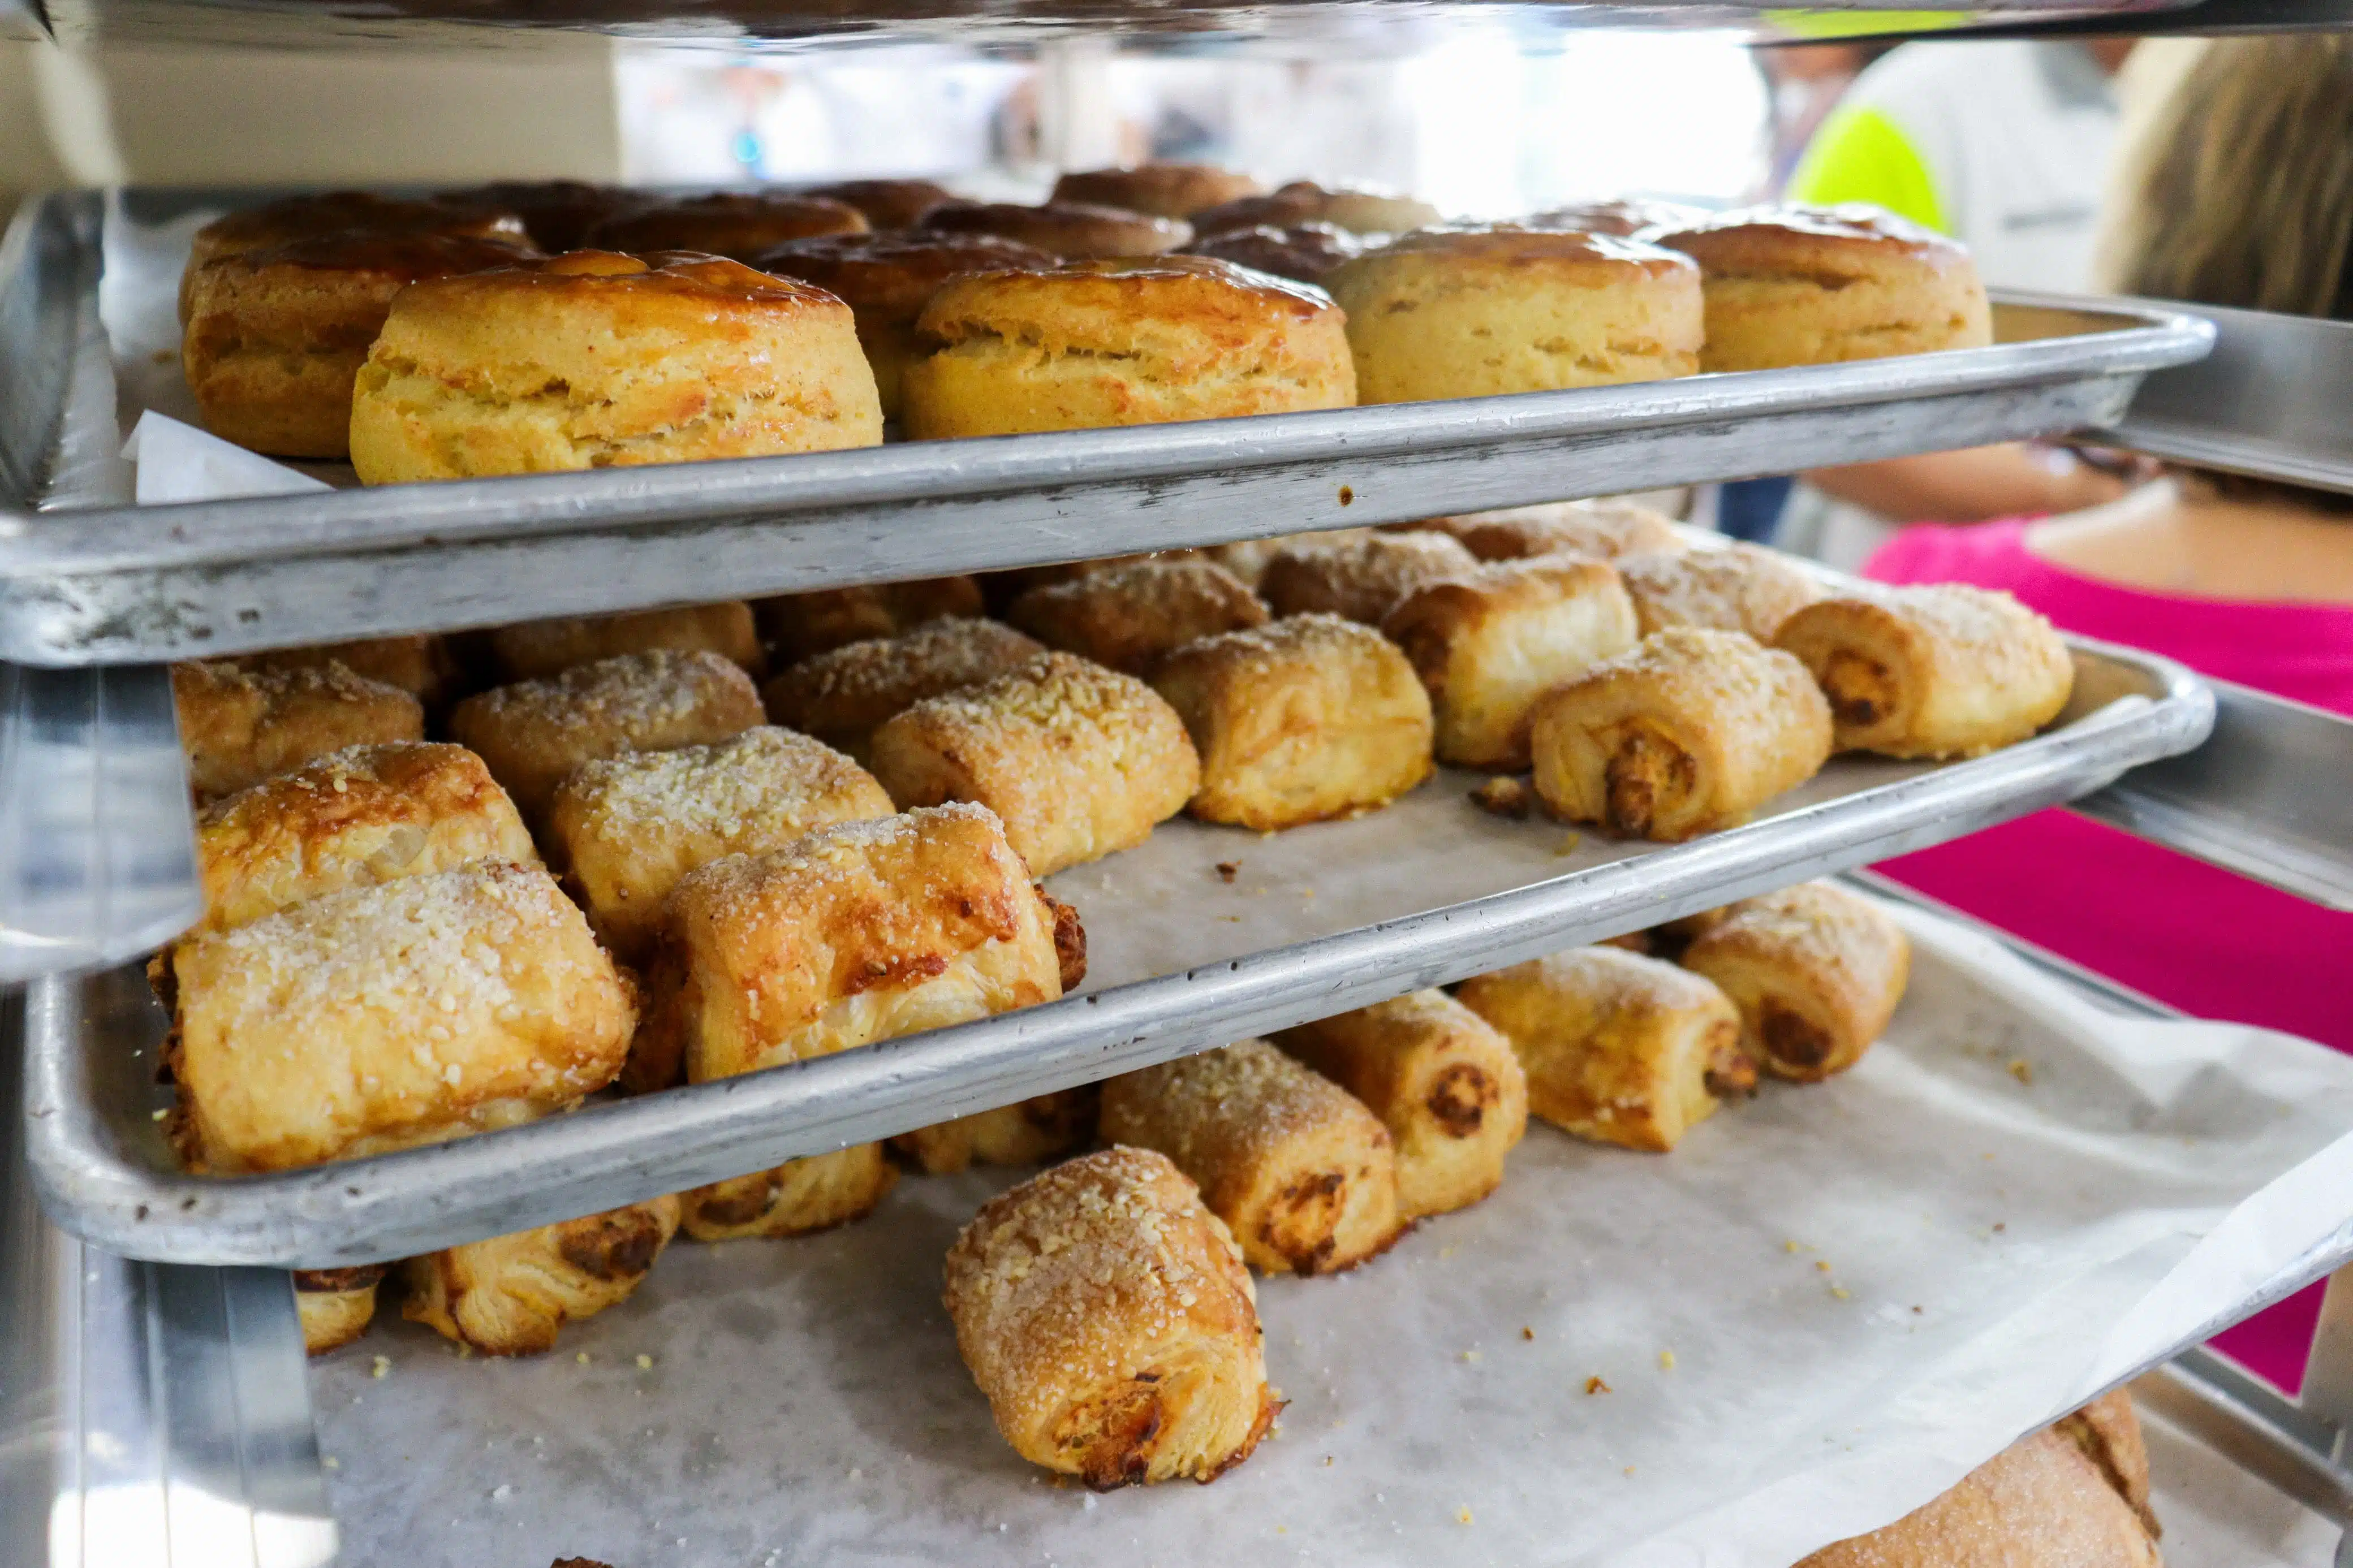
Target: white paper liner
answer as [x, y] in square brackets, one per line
[2054, 1223]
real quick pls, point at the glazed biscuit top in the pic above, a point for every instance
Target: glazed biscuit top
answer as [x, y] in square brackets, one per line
[1622, 219]
[1067, 228]
[676, 286]
[886, 204]
[1599, 258]
[1358, 210]
[1106, 304]
[304, 217]
[557, 211]
[895, 274]
[1173, 190]
[734, 222]
[1305, 251]
[406, 257]
[1832, 243]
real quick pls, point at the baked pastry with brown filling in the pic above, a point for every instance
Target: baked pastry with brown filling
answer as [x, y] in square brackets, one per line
[511, 1295]
[240, 726]
[1362, 577]
[802, 625]
[1817, 972]
[844, 695]
[1605, 529]
[1132, 617]
[1738, 588]
[530, 650]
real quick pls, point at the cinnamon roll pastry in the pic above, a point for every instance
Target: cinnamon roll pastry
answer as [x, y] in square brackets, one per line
[1305, 1174]
[513, 1294]
[1132, 617]
[1044, 1127]
[240, 726]
[1106, 1316]
[1078, 760]
[794, 1198]
[1617, 1048]
[1687, 734]
[842, 695]
[530, 651]
[1360, 578]
[1816, 972]
[1604, 529]
[1934, 671]
[335, 1305]
[1489, 643]
[801, 626]
[1446, 1085]
[1739, 588]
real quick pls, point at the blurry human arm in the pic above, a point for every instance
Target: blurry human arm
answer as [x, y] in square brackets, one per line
[2016, 479]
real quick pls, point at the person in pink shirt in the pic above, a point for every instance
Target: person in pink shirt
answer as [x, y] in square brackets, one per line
[2247, 201]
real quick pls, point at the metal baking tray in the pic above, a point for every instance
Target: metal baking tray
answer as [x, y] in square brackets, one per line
[115, 583]
[1321, 919]
[2267, 402]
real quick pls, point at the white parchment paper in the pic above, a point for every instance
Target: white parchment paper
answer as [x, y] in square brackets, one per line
[1823, 1308]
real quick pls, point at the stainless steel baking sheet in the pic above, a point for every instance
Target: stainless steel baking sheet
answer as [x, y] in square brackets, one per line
[1823, 1309]
[117, 583]
[1318, 920]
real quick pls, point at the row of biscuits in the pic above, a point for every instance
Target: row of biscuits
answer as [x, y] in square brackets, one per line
[463, 336]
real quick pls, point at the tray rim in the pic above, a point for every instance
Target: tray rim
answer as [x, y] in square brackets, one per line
[403, 1203]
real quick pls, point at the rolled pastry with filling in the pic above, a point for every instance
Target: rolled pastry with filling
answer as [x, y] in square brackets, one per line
[1617, 1048]
[1303, 1174]
[796, 1198]
[1076, 760]
[389, 1016]
[1107, 1316]
[513, 1294]
[1604, 529]
[533, 732]
[802, 625]
[1739, 588]
[1132, 616]
[530, 650]
[1689, 733]
[1942, 670]
[626, 828]
[352, 819]
[842, 695]
[1448, 1087]
[1361, 577]
[1490, 643]
[336, 1306]
[1309, 718]
[421, 665]
[1816, 972]
[1044, 1127]
[240, 726]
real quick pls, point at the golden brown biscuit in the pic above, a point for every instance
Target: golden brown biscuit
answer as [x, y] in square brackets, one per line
[513, 1294]
[1942, 670]
[1354, 209]
[739, 225]
[530, 650]
[1604, 529]
[1076, 760]
[352, 819]
[1303, 1175]
[1796, 285]
[1123, 343]
[1490, 643]
[1617, 1048]
[1077, 231]
[1739, 588]
[1621, 219]
[1686, 733]
[886, 203]
[335, 1305]
[1816, 973]
[387, 1016]
[1303, 251]
[799, 625]
[1170, 190]
[1132, 616]
[1476, 310]
[1044, 1127]
[240, 726]
[292, 218]
[1107, 1316]
[626, 828]
[886, 280]
[2108, 1432]
[558, 213]
[796, 1198]
[275, 338]
[1310, 718]
[593, 360]
[533, 732]
[844, 696]
[421, 664]
[1361, 578]
[1448, 1087]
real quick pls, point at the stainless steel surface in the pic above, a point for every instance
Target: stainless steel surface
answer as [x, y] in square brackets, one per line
[2328, 1391]
[103, 1170]
[2268, 402]
[2266, 797]
[2252, 1426]
[151, 1415]
[126, 585]
[22, 20]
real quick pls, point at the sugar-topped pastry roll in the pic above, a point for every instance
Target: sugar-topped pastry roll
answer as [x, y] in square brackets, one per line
[1076, 760]
[1132, 616]
[793, 1199]
[799, 625]
[1490, 642]
[1617, 1048]
[1448, 1087]
[1604, 529]
[239, 726]
[1738, 588]
[1042, 1128]
[1307, 717]
[1816, 972]
[419, 665]
[1687, 734]
[530, 650]
[843, 695]
[626, 828]
[1247, 558]
[389, 1016]
[336, 1306]
[533, 732]
[1305, 1174]
[1106, 1315]
[1360, 579]
[1936, 671]
[512, 1294]
[351, 819]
